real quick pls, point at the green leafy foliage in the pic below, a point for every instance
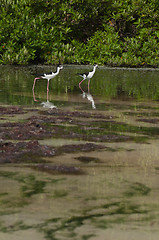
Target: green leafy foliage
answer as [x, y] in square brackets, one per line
[117, 33]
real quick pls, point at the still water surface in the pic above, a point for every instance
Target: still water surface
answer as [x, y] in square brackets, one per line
[107, 84]
[117, 196]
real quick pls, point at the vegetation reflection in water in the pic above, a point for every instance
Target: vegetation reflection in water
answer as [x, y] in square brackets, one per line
[77, 172]
[16, 83]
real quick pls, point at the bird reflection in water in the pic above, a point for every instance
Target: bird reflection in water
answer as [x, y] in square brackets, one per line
[46, 104]
[88, 96]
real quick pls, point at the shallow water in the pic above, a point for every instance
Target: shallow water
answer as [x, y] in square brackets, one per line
[116, 194]
[107, 84]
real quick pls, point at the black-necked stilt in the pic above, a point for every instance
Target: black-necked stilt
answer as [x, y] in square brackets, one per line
[88, 75]
[47, 76]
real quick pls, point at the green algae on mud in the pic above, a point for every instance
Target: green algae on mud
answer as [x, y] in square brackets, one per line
[28, 186]
[137, 189]
[99, 214]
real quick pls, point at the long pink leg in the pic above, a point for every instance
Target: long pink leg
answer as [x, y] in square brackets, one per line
[48, 86]
[34, 83]
[88, 85]
[33, 89]
[47, 96]
[34, 97]
[81, 88]
[47, 91]
[81, 81]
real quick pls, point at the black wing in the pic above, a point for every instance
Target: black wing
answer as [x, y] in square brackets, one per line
[45, 74]
[50, 73]
[82, 74]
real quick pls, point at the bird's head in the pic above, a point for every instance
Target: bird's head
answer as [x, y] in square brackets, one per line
[96, 66]
[60, 67]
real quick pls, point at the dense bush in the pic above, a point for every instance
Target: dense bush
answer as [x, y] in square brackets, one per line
[116, 33]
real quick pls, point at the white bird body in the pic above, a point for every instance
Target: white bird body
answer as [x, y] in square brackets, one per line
[89, 75]
[48, 75]
[51, 74]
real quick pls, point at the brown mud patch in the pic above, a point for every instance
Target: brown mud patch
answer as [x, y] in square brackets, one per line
[24, 131]
[60, 169]
[87, 147]
[75, 114]
[85, 159]
[61, 125]
[33, 152]
[11, 110]
[153, 121]
[22, 152]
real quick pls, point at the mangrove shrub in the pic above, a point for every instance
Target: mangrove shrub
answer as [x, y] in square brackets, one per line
[116, 33]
